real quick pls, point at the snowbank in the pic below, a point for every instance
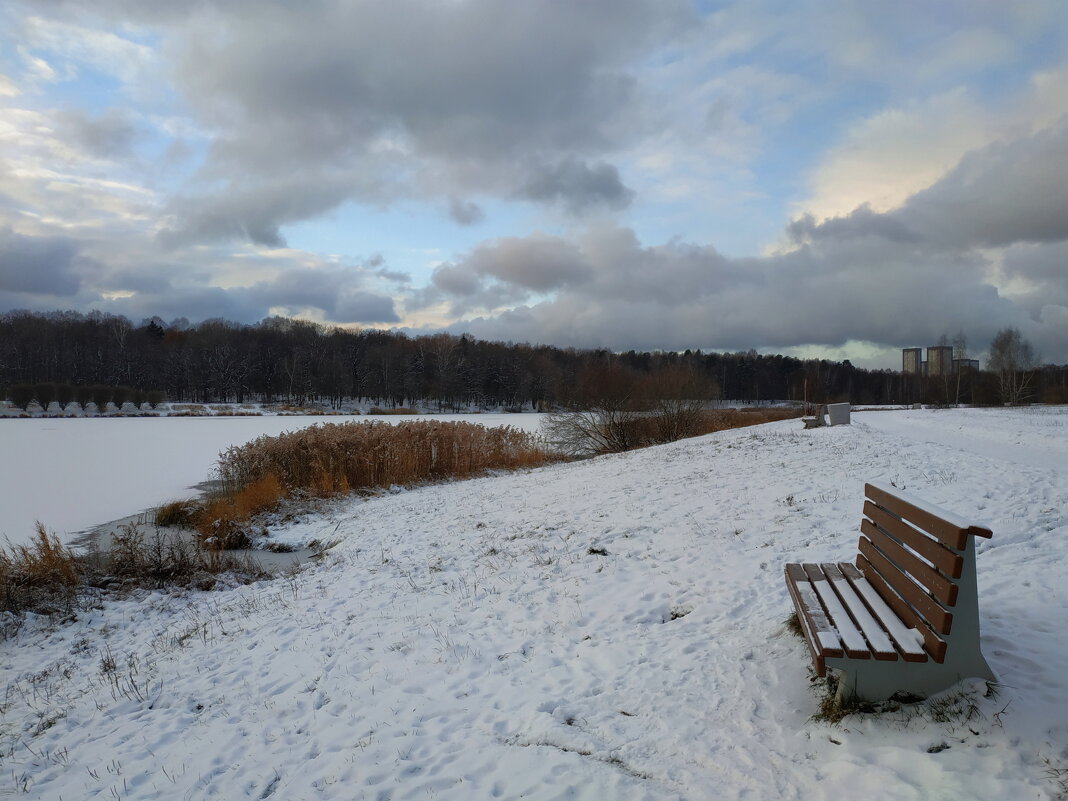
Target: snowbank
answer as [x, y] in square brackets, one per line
[464, 642]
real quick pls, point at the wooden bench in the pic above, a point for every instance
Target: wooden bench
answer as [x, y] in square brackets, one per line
[905, 617]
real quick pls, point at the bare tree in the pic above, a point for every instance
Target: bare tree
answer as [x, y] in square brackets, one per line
[602, 414]
[679, 397]
[960, 355]
[1013, 360]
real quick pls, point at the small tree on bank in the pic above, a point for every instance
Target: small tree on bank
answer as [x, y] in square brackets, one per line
[614, 408]
[1013, 360]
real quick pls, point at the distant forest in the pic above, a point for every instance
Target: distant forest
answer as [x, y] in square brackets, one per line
[66, 355]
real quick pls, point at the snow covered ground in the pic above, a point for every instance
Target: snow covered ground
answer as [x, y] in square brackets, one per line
[470, 640]
[76, 473]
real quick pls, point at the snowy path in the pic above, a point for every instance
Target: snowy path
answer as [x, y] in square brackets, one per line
[1034, 436]
[463, 641]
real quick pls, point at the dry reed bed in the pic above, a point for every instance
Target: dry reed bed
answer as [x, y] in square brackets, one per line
[724, 419]
[331, 458]
[336, 458]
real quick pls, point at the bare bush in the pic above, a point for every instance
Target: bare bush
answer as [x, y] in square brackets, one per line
[583, 433]
[613, 408]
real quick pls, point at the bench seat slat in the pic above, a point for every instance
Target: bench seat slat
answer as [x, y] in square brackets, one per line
[881, 647]
[905, 613]
[930, 549]
[939, 586]
[908, 641]
[851, 637]
[820, 636]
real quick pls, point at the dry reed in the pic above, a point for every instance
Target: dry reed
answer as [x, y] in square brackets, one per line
[332, 458]
[42, 574]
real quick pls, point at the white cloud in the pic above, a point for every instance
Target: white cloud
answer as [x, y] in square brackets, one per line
[103, 50]
[889, 156]
[8, 87]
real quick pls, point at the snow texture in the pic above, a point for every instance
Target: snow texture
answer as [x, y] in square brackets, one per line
[462, 641]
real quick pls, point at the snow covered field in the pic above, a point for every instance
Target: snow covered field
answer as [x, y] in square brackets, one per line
[469, 640]
[73, 474]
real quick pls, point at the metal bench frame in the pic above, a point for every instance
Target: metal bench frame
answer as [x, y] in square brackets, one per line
[905, 617]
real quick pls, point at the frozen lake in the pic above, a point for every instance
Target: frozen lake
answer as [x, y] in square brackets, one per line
[74, 474]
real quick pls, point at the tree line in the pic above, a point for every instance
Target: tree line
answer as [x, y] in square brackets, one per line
[69, 355]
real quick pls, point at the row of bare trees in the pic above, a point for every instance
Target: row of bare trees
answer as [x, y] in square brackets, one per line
[294, 361]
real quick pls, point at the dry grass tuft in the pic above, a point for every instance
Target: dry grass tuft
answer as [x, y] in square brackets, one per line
[221, 522]
[178, 514]
[46, 577]
[43, 574]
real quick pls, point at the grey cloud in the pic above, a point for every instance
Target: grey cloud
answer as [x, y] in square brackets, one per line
[365, 307]
[298, 93]
[999, 195]
[43, 265]
[456, 279]
[860, 223]
[1005, 193]
[111, 134]
[194, 303]
[505, 271]
[334, 292]
[1039, 275]
[155, 280]
[252, 214]
[577, 186]
[538, 262]
[465, 212]
[328, 292]
[829, 292]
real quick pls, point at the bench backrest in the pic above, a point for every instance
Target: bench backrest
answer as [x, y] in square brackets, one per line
[921, 561]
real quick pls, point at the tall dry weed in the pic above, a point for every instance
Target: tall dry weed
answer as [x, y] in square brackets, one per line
[43, 573]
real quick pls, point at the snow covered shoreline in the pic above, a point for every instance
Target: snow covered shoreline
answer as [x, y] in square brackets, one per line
[471, 640]
[74, 474]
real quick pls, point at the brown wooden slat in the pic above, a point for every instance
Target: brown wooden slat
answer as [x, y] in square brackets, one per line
[935, 647]
[814, 613]
[906, 646]
[851, 637]
[940, 620]
[943, 589]
[795, 576]
[874, 632]
[806, 629]
[953, 536]
[930, 549]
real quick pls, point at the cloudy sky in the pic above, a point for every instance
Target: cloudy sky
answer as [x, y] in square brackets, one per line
[841, 178]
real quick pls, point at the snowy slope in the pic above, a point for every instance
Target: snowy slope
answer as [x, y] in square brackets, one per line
[463, 643]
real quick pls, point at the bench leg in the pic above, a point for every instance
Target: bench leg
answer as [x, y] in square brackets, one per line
[870, 680]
